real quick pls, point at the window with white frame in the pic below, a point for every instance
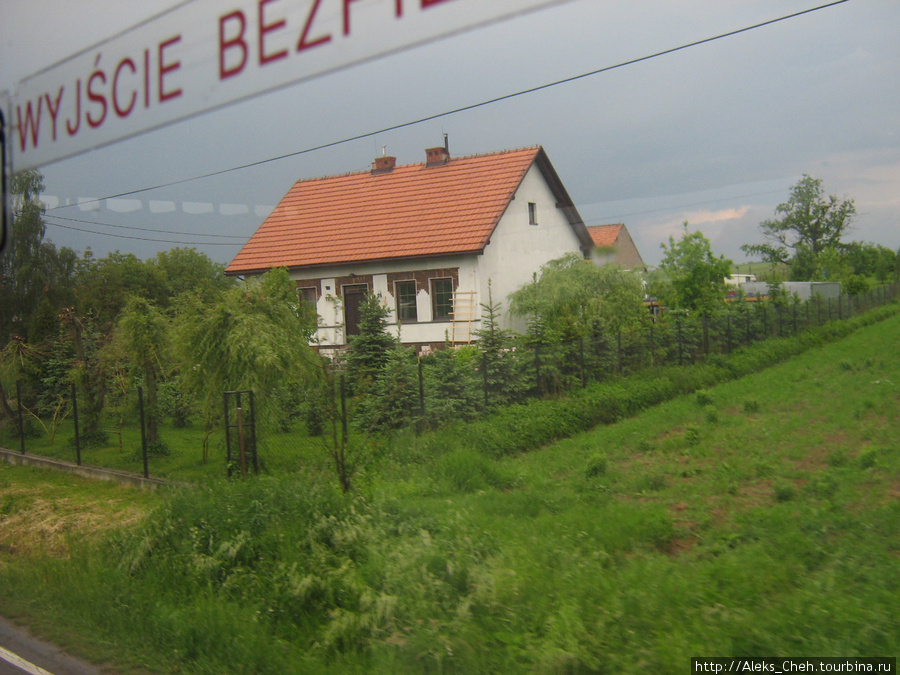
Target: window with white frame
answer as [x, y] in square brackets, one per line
[405, 294]
[442, 299]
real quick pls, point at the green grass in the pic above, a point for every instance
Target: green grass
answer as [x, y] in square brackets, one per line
[279, 452]
[753, 518]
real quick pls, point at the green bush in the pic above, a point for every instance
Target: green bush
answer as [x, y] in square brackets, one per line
[468, 471]
[868, 459]
[596, 466]
[784, 492]
[692, 435]
[704, 398]
[751, 406]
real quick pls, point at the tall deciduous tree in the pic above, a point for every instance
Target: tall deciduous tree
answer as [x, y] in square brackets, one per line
[35, 277]
[104, 285]
[31, 268]
[809, 223]
[695, 277]
[187, 271]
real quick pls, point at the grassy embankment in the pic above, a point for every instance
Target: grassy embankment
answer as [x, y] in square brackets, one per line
[756, 517]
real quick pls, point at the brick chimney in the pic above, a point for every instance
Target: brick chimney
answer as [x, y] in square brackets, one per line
[383, 164]
[436, 156]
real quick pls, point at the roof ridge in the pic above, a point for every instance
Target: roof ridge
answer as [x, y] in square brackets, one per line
[364, 172]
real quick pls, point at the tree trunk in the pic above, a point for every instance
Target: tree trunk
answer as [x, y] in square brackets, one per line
[152, 406]
[8, 412]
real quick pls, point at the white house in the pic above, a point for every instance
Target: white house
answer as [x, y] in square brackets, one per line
[428, 237]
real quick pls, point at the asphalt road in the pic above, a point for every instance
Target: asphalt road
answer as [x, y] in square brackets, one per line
[21, 653]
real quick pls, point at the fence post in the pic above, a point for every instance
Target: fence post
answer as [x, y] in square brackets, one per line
[680, 338]
[143, 431]
[706, 335]
[19, 416]
[619, 363]
[75, 419]
[254, 454]
[748, 325]
[581, 362]
[227, 433]
[242, 447]
[484, 373]
[728, 333]
[421, 397]
[344, 426]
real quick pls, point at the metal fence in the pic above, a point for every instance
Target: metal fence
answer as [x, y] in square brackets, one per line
[463, 384]
[48, 434]
[280, 431]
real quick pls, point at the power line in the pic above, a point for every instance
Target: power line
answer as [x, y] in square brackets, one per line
[684, 206]
[474, 106]
[146, 229]
[125, 236]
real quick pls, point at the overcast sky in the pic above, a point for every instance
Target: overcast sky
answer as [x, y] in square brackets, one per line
[715, 134]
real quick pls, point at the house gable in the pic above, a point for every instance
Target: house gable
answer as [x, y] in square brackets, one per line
[534, 230]
[614, 245]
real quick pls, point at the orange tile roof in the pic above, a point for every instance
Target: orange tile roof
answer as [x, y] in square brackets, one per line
[407, 212]
[604, 236]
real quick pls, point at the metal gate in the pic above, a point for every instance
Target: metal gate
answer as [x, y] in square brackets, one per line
[240, 432]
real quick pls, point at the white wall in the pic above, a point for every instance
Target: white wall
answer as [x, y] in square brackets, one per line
[518, 249]
[331, 312]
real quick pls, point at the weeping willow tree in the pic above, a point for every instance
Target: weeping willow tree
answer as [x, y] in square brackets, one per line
[143, 333]
[255, 337]
[573, 297]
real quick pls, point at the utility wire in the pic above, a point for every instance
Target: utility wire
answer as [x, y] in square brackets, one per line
[474, 106]
[126, 236]
[145, 229]
[676, 207]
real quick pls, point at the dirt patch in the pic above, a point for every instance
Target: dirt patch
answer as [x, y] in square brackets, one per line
[680, 545]
[31, 524]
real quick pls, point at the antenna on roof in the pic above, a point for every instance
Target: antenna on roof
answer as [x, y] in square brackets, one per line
[447, 143]
[384, 151]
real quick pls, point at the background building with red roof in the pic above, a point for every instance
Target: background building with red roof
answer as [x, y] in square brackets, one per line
[614, 245]
[431, 238]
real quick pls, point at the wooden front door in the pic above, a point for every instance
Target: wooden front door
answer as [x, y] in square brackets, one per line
[353, 297]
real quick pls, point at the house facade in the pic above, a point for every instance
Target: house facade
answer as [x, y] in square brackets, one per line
[435, 240]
